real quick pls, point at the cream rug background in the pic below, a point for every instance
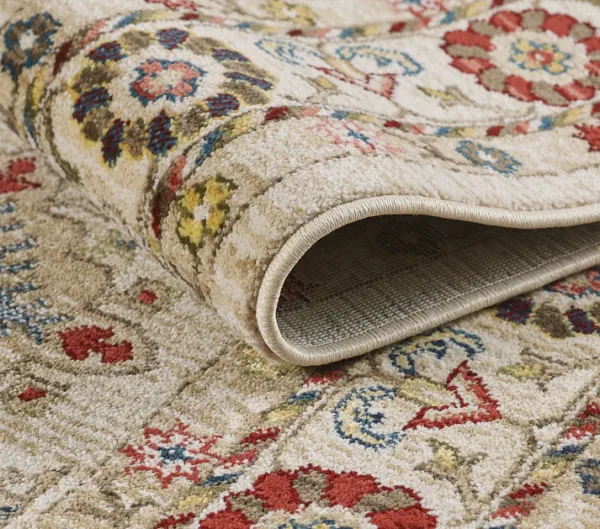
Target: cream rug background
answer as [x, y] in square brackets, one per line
[126, 403]
[231, 147]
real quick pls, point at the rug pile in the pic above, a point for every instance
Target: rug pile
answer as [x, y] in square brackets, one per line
[210, 211]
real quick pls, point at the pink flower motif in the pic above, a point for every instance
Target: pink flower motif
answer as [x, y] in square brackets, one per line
[173, 80]
[176, 4]
[578, 286]
[353, 133]
[177, 453]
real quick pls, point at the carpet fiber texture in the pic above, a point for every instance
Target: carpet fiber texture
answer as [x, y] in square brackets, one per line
[124, 403]
[235, 139]
[329, 179]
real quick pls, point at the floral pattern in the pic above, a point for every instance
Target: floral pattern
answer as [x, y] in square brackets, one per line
[438, 343]
[173, 80]
[533, 56]
[203, 210]
[176, 454]
[317, 498]
[473, 52]
[191, 125]
[159, 80]
[27, 41]
[355, 422]
[352, 133]
[578, 286]
[490, 157]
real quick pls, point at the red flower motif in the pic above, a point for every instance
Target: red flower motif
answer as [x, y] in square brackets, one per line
[147, 297]
[591, 134]
[78, 343]
[32, 393]
[535, 66]
[296, 491]
[13, 180]
[177, 453]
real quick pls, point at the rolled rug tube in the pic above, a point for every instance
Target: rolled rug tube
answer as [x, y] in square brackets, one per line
[327, 191]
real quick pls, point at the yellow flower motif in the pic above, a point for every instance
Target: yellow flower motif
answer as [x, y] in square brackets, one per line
[215, 220]
[199, 501]
[191, 229]
[203, 210]
[534, 56]
[240, 125]
[216, 192]
[299, 14]
[191, 199]
[284, 413]
[525, 371]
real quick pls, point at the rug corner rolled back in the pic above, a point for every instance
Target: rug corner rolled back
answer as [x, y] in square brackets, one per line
[331, 191]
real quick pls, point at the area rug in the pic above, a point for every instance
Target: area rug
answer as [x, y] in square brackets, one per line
[124, 403]
[197, 199]
[325, 191]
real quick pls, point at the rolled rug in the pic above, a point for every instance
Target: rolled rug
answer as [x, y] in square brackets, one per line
[328, 182]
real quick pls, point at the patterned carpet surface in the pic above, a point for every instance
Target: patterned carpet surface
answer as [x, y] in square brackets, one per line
[207, 139]
[231, 137]
[126, 404]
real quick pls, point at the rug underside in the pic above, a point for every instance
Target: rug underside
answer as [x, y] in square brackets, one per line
[396, 270]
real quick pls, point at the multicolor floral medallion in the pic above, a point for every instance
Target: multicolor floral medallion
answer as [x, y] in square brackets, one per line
[176, 453]
[209, 82]
[173, 80]
[532, 55]
[316, 498]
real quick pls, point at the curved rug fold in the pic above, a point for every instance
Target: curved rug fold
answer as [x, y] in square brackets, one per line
[330, 183]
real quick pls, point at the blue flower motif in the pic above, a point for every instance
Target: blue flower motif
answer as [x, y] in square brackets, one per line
[286, 51]
[437, 343]
[589, 473]
[491, 157]
[169, 454]
[355, 422]
[26, 42]
[381, 57]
